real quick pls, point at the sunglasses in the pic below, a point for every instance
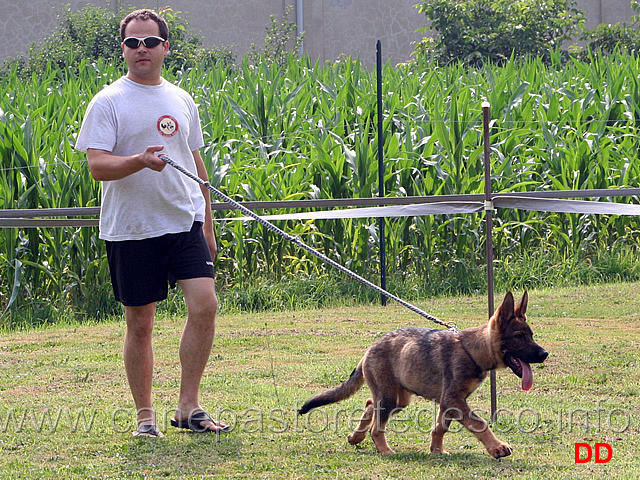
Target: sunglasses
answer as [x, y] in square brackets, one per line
[149, 42]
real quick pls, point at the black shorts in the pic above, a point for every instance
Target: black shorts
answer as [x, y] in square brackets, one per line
[141, 270]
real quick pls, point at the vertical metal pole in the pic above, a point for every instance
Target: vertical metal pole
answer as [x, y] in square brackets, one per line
[300, 24]
[381, 221]
[488, 207]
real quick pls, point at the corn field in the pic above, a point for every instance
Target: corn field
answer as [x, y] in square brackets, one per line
[308, 131]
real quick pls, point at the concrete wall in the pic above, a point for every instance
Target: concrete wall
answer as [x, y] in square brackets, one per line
[606, 11]
[332, 27]
[352, 27]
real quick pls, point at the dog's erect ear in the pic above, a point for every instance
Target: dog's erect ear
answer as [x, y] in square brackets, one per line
[521, 309]
[505, 310]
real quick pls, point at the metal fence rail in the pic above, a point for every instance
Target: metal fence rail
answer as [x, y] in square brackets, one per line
[51, 217]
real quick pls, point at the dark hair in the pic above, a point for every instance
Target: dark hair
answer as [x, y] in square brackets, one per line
[145, 14]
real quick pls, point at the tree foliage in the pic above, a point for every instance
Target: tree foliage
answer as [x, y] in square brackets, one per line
[477, 31]
[280, 41]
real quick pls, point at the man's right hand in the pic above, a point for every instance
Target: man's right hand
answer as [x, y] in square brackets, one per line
[105, 166]
[150, 159]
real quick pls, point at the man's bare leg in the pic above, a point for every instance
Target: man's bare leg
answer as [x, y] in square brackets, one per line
[196, 345]
[138, 359]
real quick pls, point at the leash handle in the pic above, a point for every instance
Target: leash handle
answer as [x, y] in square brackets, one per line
[450, 325]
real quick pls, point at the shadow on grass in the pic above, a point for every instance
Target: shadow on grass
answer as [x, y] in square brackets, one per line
[184, 453]
[478, 462]
[455, 458]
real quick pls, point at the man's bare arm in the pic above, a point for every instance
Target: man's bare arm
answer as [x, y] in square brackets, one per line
[207, 228]
[105, 166]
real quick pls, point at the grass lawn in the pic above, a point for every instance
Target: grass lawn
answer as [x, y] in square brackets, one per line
[66, 410]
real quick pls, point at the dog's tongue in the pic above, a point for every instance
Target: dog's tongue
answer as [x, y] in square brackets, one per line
[527, 375]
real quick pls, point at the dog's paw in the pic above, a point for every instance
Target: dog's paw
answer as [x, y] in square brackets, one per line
[356, 437]
[386, 450]
[439, 451]
[500, 450]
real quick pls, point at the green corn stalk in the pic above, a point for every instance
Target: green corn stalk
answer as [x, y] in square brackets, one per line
[303, 131]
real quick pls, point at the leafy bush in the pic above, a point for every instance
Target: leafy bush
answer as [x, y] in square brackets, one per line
[93, 33]
[280, 41]
[477, 31]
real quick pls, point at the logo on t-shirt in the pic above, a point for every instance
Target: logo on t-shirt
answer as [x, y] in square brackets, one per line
[167, 126]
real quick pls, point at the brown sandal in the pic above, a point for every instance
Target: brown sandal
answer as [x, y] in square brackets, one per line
[196, 421]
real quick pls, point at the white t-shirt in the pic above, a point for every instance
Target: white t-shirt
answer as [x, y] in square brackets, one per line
[125, 118]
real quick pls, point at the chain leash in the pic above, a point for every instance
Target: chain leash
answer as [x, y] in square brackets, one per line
[296, 240]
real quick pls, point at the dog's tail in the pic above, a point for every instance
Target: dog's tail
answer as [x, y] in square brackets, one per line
[343, 391]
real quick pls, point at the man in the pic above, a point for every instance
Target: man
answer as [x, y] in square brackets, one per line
[156, 222]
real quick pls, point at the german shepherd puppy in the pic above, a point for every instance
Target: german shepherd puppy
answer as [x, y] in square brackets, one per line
[440, 365]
